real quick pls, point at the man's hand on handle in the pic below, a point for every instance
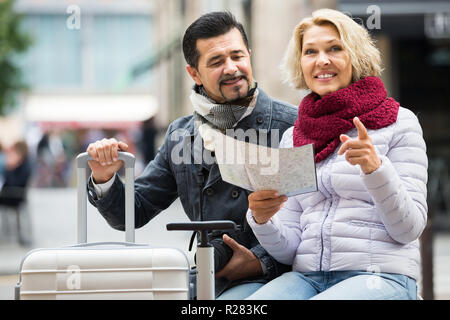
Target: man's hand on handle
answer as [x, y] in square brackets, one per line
[105, 153]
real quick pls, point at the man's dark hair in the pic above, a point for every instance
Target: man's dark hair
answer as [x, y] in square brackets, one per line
[209, 25]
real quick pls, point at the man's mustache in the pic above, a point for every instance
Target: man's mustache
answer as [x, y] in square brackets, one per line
[238, 74]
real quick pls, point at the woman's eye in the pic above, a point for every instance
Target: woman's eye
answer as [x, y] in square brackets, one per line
[309, 51]
[336, 48]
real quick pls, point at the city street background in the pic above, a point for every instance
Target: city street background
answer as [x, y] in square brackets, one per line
[80, 71]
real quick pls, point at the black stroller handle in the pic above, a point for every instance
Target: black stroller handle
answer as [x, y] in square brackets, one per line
[203, 227]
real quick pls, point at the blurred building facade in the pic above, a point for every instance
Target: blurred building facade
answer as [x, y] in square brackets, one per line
[78, 70]
[85, 45]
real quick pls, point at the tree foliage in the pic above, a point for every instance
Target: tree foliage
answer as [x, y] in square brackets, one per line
[12, 41]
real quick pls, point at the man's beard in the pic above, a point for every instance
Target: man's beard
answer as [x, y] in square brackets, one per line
[238, 74]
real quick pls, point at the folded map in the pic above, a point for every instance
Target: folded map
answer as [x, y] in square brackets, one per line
[290, 171]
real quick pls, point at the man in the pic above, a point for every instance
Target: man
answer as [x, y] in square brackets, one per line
[225, 96]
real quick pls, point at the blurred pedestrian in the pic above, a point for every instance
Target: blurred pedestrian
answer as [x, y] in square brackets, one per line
[2, 166]
[52, 160]
[148, 139]
[16, 175]
[357, 236]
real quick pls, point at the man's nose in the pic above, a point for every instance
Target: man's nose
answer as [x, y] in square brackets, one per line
[323, 59]
[230, 67]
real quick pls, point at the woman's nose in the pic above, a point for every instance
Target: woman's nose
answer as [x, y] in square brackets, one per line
[323, 59]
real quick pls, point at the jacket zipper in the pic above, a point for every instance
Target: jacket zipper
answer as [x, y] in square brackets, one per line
[321, 249]
[325, 218]
[321, 237]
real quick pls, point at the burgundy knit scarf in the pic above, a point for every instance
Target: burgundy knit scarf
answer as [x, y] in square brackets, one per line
[322, 120]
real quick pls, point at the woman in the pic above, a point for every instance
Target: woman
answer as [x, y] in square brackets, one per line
[357, 236]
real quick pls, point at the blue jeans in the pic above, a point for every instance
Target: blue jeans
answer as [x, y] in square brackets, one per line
[338, 285]
[241, 291]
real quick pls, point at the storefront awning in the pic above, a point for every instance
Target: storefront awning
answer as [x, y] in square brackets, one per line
[90, 111]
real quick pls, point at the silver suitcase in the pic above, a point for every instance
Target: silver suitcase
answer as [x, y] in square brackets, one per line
[109, 270]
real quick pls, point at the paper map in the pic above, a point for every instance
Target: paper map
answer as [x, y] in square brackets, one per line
[290, 171]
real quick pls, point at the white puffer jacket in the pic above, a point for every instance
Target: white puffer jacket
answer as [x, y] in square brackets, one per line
[356, 221]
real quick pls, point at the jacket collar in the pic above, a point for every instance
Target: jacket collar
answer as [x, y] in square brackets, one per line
[259, 119]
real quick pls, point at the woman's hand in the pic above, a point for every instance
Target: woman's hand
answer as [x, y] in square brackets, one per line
[361, 150]
[264, 204]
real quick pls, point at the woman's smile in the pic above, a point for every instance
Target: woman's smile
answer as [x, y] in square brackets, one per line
[325, 76]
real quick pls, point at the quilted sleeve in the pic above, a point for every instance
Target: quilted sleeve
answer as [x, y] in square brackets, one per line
[398, 186]
[281, 235]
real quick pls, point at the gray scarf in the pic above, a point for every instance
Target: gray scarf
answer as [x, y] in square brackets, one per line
[222, 116]
[210, 115]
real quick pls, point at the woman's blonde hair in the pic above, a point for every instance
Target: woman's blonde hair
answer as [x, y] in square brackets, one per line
[364, 56]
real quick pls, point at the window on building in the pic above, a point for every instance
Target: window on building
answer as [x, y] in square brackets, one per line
[96, 57]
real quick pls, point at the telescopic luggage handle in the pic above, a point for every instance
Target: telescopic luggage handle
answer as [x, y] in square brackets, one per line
[82, 165]
[205, 253]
